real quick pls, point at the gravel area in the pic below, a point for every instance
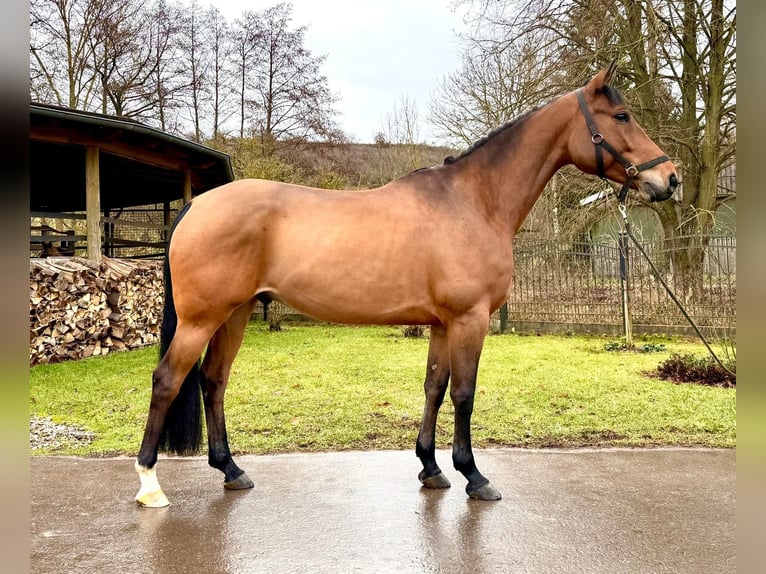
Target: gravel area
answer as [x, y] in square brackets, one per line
[44, 433]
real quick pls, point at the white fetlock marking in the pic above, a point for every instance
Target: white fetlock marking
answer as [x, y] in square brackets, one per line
[150, 494]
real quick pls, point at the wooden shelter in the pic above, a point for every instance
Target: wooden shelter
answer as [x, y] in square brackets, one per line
[92, 166]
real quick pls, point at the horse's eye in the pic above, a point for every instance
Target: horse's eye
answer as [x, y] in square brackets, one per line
[622, 117]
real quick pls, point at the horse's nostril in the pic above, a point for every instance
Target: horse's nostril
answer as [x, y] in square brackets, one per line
[673, 181]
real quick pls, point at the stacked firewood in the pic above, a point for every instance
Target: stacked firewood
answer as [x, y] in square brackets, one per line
[78, 308]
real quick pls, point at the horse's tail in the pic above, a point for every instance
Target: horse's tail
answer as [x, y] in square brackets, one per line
[182, 433]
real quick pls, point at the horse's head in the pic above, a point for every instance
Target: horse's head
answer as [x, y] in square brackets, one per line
[607, 141]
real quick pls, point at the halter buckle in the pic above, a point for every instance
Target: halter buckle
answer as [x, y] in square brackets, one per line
[597, 139]
[632, 170]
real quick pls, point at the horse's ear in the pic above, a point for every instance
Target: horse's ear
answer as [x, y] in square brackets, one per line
[604, 77]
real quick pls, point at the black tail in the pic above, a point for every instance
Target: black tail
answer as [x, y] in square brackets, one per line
[183, 425]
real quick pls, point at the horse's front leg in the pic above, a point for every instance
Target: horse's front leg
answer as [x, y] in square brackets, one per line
[437, 377]
[466, 339]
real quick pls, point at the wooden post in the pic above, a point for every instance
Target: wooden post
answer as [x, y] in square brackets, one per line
[108, 246]
[93, 204]
[627, 321]
[504, 317]
[187, 187]
[165, 218]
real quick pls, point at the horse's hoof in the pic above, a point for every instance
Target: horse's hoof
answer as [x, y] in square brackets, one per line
[154, 499]
[435, 481]
[242, 482]
[486, 492]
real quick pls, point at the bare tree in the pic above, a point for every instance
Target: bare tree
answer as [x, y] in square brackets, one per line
[196, 57]
[281, 83]
[246, 29]
[131, 48]
[162, 79]
[398, 146]
[217, 35]
[182, 68]
[702, 66]
[489, 89]
[106, 44]
[61, 50]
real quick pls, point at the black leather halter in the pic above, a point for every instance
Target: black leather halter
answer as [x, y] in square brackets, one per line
[599, 142]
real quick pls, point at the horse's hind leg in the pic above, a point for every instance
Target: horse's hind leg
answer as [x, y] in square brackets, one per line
[188, 344]
[216, 367]
[437, 376]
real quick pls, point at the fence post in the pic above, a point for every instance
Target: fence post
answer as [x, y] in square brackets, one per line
[624, 277]
[504, 317]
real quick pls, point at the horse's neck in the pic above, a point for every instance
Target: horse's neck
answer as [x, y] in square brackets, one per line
[523, 162]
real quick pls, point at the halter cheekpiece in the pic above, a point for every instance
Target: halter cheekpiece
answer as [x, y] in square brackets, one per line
[599, 142]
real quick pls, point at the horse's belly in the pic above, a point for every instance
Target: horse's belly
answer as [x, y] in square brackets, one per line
[362, 314]
[352, 297]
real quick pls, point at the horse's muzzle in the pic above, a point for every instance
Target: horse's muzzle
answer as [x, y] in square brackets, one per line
[657, 193]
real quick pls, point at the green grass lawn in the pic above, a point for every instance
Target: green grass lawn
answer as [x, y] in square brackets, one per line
[320, 387]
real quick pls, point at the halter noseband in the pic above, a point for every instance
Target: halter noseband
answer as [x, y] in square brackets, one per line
[599, 142]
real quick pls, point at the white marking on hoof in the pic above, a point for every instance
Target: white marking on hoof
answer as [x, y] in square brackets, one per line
[150, 494]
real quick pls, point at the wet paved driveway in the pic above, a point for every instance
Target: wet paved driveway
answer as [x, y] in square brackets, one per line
[589, 511]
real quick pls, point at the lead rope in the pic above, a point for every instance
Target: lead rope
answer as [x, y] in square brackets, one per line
[626, 225]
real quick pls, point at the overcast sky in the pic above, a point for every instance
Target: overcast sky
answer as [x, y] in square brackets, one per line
[376, 52]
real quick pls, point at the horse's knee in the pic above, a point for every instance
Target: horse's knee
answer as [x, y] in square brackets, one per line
[463, 401]
[435, 390]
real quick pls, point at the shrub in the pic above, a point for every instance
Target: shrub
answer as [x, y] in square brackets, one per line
[276, 311]
[328, 179]
[645, 348]
[414, 331]
[699, 370]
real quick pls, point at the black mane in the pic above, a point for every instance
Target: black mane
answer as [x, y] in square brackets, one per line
[483, 140]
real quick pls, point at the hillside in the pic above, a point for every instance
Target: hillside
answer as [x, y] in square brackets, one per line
[331, 165]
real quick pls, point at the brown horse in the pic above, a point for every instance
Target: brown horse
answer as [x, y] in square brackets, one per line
[434, 247]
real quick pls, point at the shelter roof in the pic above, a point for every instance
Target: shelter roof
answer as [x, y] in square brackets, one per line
[139, 165]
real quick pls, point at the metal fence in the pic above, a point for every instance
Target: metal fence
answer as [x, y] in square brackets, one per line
[575, 286]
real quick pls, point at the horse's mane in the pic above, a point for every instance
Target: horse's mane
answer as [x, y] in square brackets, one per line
[483, 140]
[614, 95]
